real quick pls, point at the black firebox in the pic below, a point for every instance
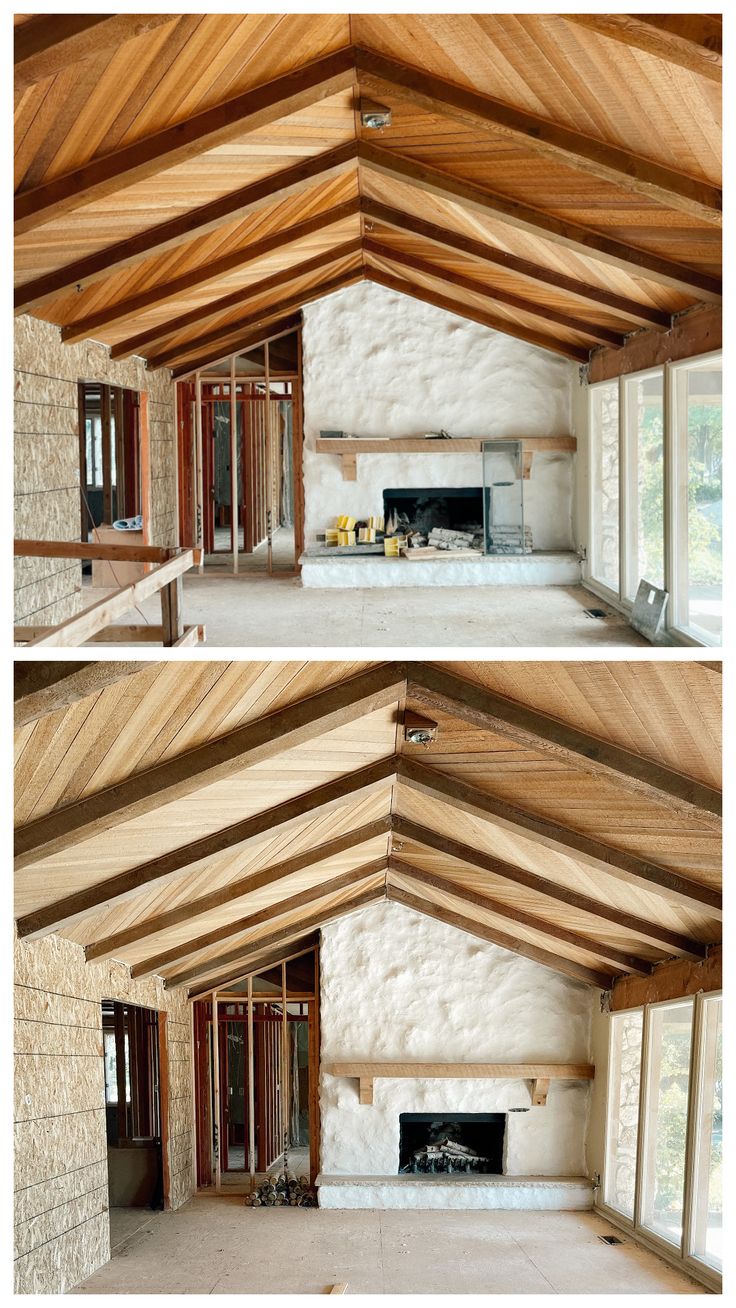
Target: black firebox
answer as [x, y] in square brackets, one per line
[452, 1143]
[459, 507]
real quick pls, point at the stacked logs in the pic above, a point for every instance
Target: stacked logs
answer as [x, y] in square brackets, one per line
[282, 1190]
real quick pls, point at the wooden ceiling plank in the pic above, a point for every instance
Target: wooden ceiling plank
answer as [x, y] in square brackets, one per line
[692, 41]
[584, 848]
[465, 283]
[217, 339]
[127, 884]
[258, 963]
[636, 313]
[241, 297]
[50, 42]
[450, 305]
[42, 688]
[195, 222]
[253, 110]
[239, 925]
[583, 240]
[436, 688]
[275, 872]
[234, 959]
[607, 954]
[135, 305]
[610, 163]
[175, 778]
[558, 963]
[651, 932]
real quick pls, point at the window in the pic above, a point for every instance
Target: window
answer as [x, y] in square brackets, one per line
[698, 497]
[109, 455]
[604, 433]
[623, 1110]
[645, 489]
[707, 1205]
[665, 1136]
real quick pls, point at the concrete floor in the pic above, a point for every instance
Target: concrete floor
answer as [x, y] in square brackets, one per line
[251, 612]
[217, 1246]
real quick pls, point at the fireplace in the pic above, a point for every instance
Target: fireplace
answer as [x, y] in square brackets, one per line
[451, 1143]
[459, 508]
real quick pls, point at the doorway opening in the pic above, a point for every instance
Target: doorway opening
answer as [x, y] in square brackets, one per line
[112, 476]
[256, 1085]
[132, 1054]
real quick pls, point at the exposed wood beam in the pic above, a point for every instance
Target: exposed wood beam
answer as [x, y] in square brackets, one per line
[583, 240]
[165, 236]
[271, 330]
[261, 962]
[41, 688]
[671, 980]
[606, 954]
[250, 112]
[609, 163]
[463, 310]
[234, 890]
[618, 863]
[216, 339]
[217, 759]
[692, 41]
[438, 689]
[401, 221]
[47, 43]
[158, 962]
[233, 960]
[234, 261]
[651, 932]
[237, 299]
[557, 962]
[693, 333]
[126, 884]
[464, 283]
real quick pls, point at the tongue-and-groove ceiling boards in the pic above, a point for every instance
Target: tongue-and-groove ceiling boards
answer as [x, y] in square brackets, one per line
[185, 180]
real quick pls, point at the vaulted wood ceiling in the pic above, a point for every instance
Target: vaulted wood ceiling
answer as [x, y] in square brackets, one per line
[191, 819]
[190, 178]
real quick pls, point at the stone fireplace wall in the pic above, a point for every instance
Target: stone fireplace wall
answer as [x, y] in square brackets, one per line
[377, 363]
[399, 986]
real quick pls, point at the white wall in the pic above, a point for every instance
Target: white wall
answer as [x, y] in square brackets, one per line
[396, 985]
[377, 363]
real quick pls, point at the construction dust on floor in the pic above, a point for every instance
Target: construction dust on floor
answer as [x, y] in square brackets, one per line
[306, 1251]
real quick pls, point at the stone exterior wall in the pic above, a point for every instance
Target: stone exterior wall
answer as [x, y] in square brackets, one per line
[62, 1229]
[47, 458]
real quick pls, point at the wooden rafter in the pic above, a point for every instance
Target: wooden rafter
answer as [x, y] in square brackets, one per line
[438, 688]
[220, 337]
[237, 299]
[692, 41]
[461, 282]
[383, 76]
[557, 962]
[41, 688]
[606, 953]
[134, 306]
[583, 240]
[398, 219]
[618, 863]
[451, 304]
[110, 945]
[47, 43]
[194, 223]
[254, 109]
[331, 794]
[238, 926]
[651, 932]
[235, 959]
[214, 761]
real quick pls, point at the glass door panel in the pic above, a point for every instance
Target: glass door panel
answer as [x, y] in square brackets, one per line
[665, 1140]
[707, 1205]
[623, 1111]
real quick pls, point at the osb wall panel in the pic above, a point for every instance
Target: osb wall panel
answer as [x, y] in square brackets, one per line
[62, 1230]
[47, 458]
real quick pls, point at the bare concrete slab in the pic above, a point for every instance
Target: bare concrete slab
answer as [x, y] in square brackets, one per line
[215, 1245]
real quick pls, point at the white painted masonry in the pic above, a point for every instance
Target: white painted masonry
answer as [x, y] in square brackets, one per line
[377, 363]
[396, 985]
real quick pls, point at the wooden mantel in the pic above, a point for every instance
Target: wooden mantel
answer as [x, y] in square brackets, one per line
[349, 447]
[540, 1074]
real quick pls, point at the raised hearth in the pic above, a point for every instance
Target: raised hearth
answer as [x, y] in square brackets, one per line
[563, 1193]
[329, 569]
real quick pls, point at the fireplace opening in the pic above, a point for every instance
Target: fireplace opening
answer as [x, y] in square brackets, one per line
[453, 1143]
[420, 510]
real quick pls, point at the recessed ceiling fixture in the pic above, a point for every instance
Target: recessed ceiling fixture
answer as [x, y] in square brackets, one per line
[375, 116]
